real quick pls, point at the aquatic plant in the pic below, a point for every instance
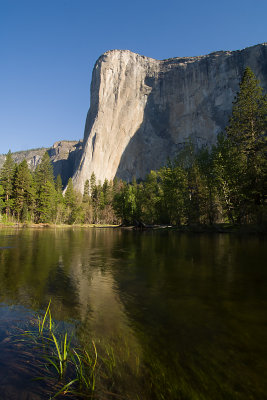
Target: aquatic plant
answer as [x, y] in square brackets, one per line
[69, 368]
[41, 321]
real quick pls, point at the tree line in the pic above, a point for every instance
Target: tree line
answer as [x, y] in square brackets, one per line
[223, 183]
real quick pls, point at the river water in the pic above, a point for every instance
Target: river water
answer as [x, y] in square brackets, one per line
[189, 309]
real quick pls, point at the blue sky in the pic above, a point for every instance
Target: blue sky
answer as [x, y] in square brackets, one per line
[48, 50]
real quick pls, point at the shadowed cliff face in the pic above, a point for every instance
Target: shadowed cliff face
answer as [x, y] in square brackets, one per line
[65, 155]
[143, 110]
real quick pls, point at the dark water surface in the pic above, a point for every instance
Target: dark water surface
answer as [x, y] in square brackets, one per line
[191, 308]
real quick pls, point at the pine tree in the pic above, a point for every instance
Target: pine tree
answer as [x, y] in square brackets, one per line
[44, 171]
[2, 203]
[92, 183]
[58, 184]
[107, 191]
[95, 194]
[45, 191]
[47, 202]
[229, 173]
[86, 196]
[87, 211]
[24, 193]
[73, 201]
[60, 206]
[70, 195]
[247, 124]
[6, 180]
[247, 131]
[210, 200]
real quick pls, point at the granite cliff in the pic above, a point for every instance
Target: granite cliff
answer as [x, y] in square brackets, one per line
[64, 156]
[143, 110]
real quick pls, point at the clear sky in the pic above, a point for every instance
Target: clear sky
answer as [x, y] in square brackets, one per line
[48, 49]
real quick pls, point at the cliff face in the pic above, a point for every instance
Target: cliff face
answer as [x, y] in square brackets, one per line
[143, 110]
[64, 155]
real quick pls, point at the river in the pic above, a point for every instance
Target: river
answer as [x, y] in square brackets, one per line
[189, 309]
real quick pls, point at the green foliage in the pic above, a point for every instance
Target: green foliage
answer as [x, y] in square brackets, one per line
[6, 179]
[247, 124]
[86, 196]
[44, 171]
[125, 203]
[246, 133]
[70, 199]
[46, 207]
[46, 194]
[2, 203]
[58, 184]
[150, 198]
[174, 191]
[24, 192]
[72, 202]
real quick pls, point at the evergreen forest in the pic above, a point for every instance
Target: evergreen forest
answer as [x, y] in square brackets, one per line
[225, 183]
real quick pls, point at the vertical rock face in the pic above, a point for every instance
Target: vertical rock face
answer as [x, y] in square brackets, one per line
[64, 154]
[143, 110]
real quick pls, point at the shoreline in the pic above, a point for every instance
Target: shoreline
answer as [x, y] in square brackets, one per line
[216, 228]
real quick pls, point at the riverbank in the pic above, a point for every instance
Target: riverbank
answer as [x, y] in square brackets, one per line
[20, 225]
[216, 228]
[197, 228]
[224, 228]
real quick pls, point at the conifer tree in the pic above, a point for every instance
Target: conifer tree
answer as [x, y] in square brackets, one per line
[247, 131]
[70, 195]
[229, 174]
[60, 206]
[24, 193]
[45, 191]
[47, 202]
[86, 196]
[58, 184]
[210, 200]
[6, 178]
[44, 171]
[92, 183]
[247, 124]
[72, 201]
[2, 203]
[95, 194]
[87, 212]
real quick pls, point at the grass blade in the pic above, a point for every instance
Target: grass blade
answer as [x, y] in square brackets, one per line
[65, 388]
[44, 319]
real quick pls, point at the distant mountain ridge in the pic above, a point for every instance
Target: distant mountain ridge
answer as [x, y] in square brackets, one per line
[33, 157]
[63, 155]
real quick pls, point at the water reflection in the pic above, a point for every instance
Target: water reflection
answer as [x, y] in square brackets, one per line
[193, 306]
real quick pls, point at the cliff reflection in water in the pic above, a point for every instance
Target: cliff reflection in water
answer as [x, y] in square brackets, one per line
[72, 267]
